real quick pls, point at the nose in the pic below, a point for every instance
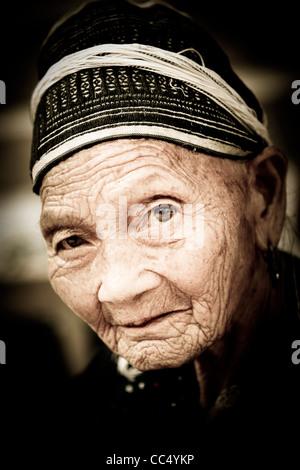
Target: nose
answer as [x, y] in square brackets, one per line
[125, 275]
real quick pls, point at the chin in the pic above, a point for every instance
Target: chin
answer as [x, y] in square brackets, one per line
[151, 358]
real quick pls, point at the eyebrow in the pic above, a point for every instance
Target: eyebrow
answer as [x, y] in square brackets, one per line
[50, 224]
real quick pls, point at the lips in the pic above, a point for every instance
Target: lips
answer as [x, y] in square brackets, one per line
[149, 320]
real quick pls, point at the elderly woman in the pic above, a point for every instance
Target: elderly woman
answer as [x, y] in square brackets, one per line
[163, 202]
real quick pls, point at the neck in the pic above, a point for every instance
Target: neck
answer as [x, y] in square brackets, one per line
[217, 366]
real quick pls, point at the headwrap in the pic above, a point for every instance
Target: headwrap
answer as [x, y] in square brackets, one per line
[113, 69]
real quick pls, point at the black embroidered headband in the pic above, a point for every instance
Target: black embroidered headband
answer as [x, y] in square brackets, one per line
[117, 70]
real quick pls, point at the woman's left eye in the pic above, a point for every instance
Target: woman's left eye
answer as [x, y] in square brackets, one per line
[163, 212]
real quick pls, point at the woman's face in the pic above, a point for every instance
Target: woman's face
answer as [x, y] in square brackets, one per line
[150, 244]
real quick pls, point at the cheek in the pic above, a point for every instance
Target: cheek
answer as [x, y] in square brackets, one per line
[192, 266]
[77, 288]
[216, 276]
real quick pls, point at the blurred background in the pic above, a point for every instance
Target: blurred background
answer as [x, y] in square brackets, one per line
[40, 333]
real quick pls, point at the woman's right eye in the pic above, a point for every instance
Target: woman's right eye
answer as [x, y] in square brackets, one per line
[70, 243]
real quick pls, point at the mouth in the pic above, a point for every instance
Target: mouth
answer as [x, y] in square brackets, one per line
[154, 319]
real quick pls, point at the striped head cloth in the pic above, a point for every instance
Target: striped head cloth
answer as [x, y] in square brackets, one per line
[114, 69]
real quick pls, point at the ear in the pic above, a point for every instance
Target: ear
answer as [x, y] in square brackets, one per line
[268, 190]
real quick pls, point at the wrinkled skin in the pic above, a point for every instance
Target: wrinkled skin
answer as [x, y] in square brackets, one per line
[160, 302]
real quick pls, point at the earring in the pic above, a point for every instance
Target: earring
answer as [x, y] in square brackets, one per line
[271, 257]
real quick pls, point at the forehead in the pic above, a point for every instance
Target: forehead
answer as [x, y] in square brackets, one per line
[141, 168]
[118, 163]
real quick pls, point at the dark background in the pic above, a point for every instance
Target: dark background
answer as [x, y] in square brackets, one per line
[41, 334]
